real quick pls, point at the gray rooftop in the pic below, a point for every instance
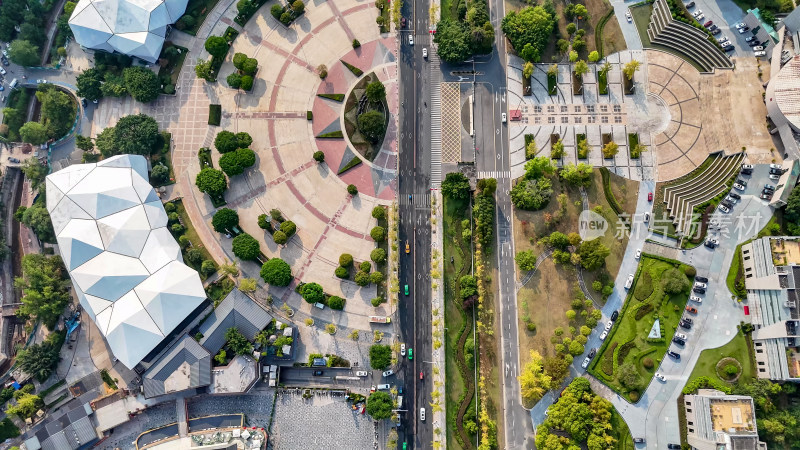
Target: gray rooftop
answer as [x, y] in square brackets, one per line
[237, 310]
[186, 365]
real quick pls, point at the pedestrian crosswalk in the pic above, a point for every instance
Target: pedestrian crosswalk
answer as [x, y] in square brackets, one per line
[495, 174]
[436, 121]
[418, 200]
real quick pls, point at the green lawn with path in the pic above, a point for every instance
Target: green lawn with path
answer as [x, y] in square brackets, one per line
[737, 349]
[628, 341]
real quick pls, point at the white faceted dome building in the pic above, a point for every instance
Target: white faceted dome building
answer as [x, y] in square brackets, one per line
[126, 267]
[132, 27]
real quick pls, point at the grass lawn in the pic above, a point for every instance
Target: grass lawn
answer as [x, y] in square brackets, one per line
[194, 238]
[737, 348]
[173, 61]
[628, 342]
[219, 289]
[621, 432]
[455, 317]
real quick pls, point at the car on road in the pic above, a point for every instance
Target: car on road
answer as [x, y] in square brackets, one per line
[503, 117]
[711, 243]
[661, 376]
[675, 355]
[402, 349]
[410, 354]
[406, 289]
[638, 440]
[403, 22]
[758, 48]
[702, 279]
[649, 196]
[761, 53]
[744, 30]
[388, 373]
[638, 253]
[740, 25]
[674, 446]
[408, 247]
[628, 16]
[425, 52]
[420, 375]
[721, 207]
[614, 315]
[647, 217]
[362, 373]
[695, 298]
[681, 336]
[678, 341]
[410, 39]
[700, 285]
[691, 309]
[629, 281]
[603, 335]
[609, 325]
[317, 373]
[422, 414]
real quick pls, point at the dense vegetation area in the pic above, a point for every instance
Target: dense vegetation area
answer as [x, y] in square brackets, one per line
[468, 33]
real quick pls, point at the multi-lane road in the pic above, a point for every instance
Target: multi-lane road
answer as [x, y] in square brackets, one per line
[414, 184]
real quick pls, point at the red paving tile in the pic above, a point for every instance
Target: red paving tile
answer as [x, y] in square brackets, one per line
[324, 114]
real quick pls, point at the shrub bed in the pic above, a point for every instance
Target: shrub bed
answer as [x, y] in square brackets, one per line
[624, 350]
[644, 287]
[353, 162]
[643, 310]
[214, 114]
[331, 135]
[607, 364]
[335, 97]
[356, 71]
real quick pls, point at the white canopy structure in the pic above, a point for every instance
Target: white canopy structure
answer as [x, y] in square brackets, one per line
[132, 27]
[126, 267]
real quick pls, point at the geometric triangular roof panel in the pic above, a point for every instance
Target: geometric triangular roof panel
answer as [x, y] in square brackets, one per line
[126, 266]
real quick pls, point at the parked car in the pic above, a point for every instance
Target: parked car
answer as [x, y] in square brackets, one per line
[402, 349]
[758, 47]
[629, 281]
[690, 5]
[776, 171]
[422, 414]
[681, 336]
[425, 52]
[674, 446]
[735, 195]
[660, 376]
[388, 373]
[749, 38]
[769, 187]
[723, 208]
[614, 315]
[744, 30]
[722, 39]
[702, 279]
[687, 319]
[738, 187]
[775, 166]
[699, 290]
[727, 204]
[761, 53]
[742, 182]
[686, 325]
[747, 171]
[731, 200]
[691, 309]
[609, 324]
[728, 47]
[695, 298]
[715, 243]
[384, 387]
[420, 375]
[708, 242]
[638, 253]
[649, 196]
[362, 373]
[604, 335]
[373, 388]
[700, 17]
[697, 13]
[747, 166]
[766, 197]
[586, 362]
[740, 25]
[678, 341]
[713, 28]
[708, 24]
[774, 177]
[700, 285]
[317, 373]
[675, 355]
[628, 16]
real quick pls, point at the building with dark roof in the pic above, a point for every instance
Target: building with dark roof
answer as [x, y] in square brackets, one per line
[237, 310]
[185, 365]
[69, 431]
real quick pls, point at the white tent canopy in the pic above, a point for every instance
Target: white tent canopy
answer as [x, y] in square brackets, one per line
[125, 265]
[132, 27]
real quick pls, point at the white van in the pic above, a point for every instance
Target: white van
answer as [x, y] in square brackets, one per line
[384, 387]
[629, 282]
[13, 84]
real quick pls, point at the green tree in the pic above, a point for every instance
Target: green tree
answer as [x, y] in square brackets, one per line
[631, 68]
[40, 360]
[531, 194]
[610, 150]
[234, 80]
[226, 141]
[533, 381]
[361, 278]
[160, 173]
[538, 167]
[319, 156]
[211, 181]
[557, 368]
[26, 406]
[529, 30]
[380, 356]
[280, 237]
[263, 222]
[37, 218]
[84, 143]
[57, 110]
[468, 286]
[234, 163]
[250, 66]
[527, 69]
[335, 302]
[239, 59]
[136, 134]
[246, 247]
[276, 272]
[33, 133]
[581, 69]
[217, 46]
[35, 171]
[44, 285]
[89, 84]
[577, 175]
[378, 234]
[208, 267]
[371, 125]
[593, 254]
[452, 41]
[456, 186]
[24, 53]
[221, 358]
[204, 70]
[352, 189]
[312, 293]
[594, 56]
[628, 376]
[376, 277]
[673, 281]
[106, 142]
[376, 91]
[247, 82]
[248, 285]
[141, 83]
[379, 212]
[379, 405]
[237, 342]
[557, 150]
[289, 228]
[224, 220]
[526, 260]
[378, 255]
[346, 260]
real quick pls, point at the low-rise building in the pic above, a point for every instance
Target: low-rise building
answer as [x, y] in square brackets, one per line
[771, 268]
[718, 421]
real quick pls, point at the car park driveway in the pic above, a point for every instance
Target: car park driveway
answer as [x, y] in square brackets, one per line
[725, 15]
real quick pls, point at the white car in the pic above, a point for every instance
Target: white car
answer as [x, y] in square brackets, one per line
[603, 335]
[774, 177]
[362, 373]
[680, 336]
[747, 166]
[738, 187]
[697, 13]
[609, 325]
[638, 253]
[743, 30]
[722, 39]
[424, 52]
[740, 25]
[410, 39]
[723, 208]
[586, 362]
[403, 349]
[757, 48]
[388, 373]
[40, 81]
[700, 285]
[700, 18]
[628, 16]
[775, 166]
[761, 53]
[2, 71]
[422, 414]
[695, 298]
[724, 43]
[661, 377]
[503, 117]
[731, 199]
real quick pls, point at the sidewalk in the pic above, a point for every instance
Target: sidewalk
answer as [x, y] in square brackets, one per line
[437, 308]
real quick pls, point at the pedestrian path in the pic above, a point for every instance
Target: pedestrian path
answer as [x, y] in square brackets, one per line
[436, 120]
[418, 200]
[495, 174]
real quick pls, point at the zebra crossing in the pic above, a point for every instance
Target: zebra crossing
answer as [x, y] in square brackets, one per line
[436, 120]
[418, 200]
[495, 174]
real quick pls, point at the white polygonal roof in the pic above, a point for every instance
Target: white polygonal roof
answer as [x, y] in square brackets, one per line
[126, 266]
[132, 27]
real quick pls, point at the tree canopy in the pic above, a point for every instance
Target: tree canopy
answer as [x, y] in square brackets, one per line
[141, 83]
[40, 360]
[456, 186]
[593, 254]
[37, 218]
[237, 342]
[45, 285]
[217, 46]
[532, 194]
[246, 247]
[57, 110]
[673, 281]
[376, 91]
[90, 83]
[312, 293]
[533, 381]
[529, 30]
[380, 356]
[234, 163]
[136, 134]
[379, 405]
[224, 220]
[577, 175]
[452, 40]
[276, 272]
[371, 125]
[33, 133]
[211, 181]
[24, 53]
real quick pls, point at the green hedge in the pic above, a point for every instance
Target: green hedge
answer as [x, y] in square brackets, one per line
[214, 114]
[624, 350]
[334, 97]
[706, 382]
[356, 71]
[598, 33]
[332, 134]
[607, 366]
[309, 115]
[645, 288]
[204, 155]
[353, 162]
